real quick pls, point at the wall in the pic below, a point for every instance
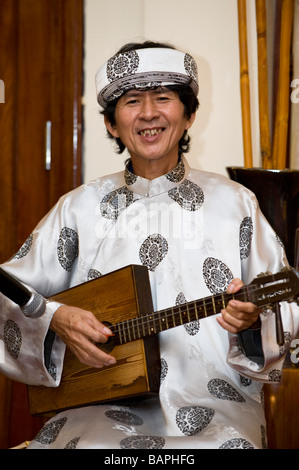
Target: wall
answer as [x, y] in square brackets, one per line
[209, 31]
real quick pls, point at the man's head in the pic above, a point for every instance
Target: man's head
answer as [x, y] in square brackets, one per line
[147, 66]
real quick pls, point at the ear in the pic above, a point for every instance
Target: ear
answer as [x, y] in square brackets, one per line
[190, 121]
[110, 128]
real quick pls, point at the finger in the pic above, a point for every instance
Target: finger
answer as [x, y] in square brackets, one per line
[98, 333]
[239, 320]
[234, 286]
[89, 354]
[238, 307]
[86, 323]
[80, 329]
[226, 325]
[232, 322]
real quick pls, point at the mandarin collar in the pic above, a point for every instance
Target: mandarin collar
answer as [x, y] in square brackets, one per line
[149, 188]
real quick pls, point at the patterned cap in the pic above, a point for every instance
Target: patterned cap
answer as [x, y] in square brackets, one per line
[142, 69]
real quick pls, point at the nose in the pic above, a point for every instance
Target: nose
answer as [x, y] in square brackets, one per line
[148, 110]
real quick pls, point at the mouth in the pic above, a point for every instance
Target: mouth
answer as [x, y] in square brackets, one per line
[151, 132]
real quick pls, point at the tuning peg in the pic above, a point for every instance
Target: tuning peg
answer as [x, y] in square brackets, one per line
[286, 268]
[267, 273]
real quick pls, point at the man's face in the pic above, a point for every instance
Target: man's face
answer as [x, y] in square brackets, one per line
[150, 124]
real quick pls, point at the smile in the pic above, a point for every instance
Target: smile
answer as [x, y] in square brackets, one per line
[149, 132]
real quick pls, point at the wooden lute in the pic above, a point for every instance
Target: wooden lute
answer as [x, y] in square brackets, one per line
[122, 300]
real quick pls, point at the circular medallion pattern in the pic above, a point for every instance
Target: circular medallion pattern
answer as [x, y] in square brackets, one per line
[193, 419]
[130, 178]
[25, 248]
[188, 195]
[67, 248]
[221, 389]
[193, 327]
[191, 67]
[177, 174]
[245, 237]
[245, 381]
[237, 443]
[180, 299]
[115, 201]
[143, 442]
[217, 275]
[122, 65]
[93, 274]
[164, 369]
[153, 250]
[52, 369]
[287, 343]
[73, 443]
[124, 417]
[50, 431]
[12, 338]
[275, 375]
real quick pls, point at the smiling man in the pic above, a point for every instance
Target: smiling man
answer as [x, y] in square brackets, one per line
[199, 234]
[150, 124]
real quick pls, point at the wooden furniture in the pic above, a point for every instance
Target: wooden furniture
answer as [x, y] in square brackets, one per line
[280, 399]
[41, 50]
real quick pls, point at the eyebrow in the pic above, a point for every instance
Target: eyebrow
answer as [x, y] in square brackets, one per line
[156, 90]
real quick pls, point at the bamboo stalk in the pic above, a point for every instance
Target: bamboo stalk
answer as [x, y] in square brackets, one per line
[283, 93]
[261, 25]
[244, 84]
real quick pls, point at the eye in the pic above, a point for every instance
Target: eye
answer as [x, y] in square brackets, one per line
[163, 98]
[131, 101]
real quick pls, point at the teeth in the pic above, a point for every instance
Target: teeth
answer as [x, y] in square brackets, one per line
[147, 132]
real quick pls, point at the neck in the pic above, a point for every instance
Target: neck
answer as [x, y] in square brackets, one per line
[155, 322]
[151, 169]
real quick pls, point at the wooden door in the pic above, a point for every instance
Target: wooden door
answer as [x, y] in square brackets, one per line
[41, 55]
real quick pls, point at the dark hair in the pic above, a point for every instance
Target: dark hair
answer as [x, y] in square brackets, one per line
[185, 94]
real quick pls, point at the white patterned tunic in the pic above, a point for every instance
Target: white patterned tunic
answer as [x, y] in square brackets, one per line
[195, 231]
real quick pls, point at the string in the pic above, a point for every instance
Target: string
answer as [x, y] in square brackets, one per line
[129, 330]
[167, 317]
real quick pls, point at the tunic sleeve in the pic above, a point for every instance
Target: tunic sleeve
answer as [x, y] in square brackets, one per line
[266, 254]
[45, 262]
[24, 357]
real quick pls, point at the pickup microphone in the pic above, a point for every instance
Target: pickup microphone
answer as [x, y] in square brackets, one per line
[32, 304]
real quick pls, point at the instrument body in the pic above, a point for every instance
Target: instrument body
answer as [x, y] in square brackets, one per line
[120, 295]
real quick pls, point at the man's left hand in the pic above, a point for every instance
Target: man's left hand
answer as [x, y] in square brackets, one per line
[238, 315]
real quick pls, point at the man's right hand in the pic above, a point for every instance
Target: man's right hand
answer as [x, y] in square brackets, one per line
[80, 331]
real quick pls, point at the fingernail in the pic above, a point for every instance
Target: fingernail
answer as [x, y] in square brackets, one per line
[110, 362]
[106, 331]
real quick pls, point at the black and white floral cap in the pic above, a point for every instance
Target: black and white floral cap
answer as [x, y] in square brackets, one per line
[144, 68]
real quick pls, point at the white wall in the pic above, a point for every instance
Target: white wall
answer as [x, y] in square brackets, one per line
[208, 30]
